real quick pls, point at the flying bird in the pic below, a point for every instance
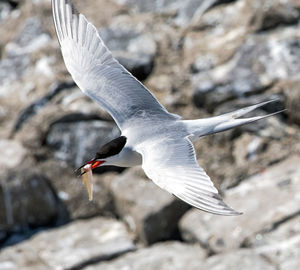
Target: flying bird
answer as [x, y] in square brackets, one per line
[150, 136]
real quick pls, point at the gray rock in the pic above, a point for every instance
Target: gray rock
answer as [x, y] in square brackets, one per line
[27, 201]
[16, 60]
[186, 11]
[281, 231]
[241, 259]
[12, 69]
[5, 9]
[150, 211]
[277, 13]
[30, 38]
[69, 247]
[267, 198]
[37, 105]
[132, 48]
[165, 256]
[281, 255]
[251, 71]
[75, 142]
[12, 155]
[285, 254]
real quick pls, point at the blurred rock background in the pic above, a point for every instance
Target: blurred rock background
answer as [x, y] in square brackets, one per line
[200, 58]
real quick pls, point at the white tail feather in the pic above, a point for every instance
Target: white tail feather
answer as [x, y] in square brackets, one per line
[201, 127]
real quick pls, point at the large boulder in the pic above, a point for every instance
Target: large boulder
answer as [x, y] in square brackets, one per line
[150, 211]
[267, 199]
[69, 247]
[27, 201]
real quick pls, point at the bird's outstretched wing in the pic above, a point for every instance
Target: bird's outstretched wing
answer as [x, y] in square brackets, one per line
[173, 166]
[97, 73]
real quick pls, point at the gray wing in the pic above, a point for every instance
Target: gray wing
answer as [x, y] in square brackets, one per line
[173, 166]
[97, 73]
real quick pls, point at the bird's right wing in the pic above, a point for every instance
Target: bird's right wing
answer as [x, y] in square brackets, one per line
[97, 73]
[172, 165]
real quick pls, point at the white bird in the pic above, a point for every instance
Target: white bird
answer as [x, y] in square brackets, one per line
[151, 136]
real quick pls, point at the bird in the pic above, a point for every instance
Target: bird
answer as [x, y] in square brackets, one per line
[160, 141]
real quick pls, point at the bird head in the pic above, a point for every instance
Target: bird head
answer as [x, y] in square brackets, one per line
[108, 150]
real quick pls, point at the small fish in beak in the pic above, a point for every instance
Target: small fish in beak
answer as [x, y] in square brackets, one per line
[87, 175]
[87, 179]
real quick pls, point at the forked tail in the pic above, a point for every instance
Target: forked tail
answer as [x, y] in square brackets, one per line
[200, 127]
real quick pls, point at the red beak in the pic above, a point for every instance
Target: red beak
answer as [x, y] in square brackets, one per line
[96, 163]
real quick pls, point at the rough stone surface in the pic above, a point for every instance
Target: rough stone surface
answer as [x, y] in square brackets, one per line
[246, 260]
[185, 11]
[133, 49]
[266, 199]
[251, 70]
[150, 211]
[165, 256]
[27, 201]
[69, 247]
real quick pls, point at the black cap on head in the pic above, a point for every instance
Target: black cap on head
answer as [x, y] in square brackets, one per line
[112, 148]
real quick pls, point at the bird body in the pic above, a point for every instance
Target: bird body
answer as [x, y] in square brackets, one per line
[151, 136]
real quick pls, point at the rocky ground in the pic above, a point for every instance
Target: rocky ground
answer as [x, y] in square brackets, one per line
[200, 58]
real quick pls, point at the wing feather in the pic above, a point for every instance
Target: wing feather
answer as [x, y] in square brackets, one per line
[172, 165]
[97, 73]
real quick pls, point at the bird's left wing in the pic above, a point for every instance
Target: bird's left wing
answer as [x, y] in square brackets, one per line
[97, 73]
[172, 165]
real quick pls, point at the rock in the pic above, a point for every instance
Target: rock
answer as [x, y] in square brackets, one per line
[12, 69]
[69, 247]
[281, 231]
[266, 199]
[27, 202]
[132, 48]
[216, 36]
[150, 211]
[30, 38]
[167, 256]
[37, 105]
[16, 60]
[251, 70]
[241, 259]
[247, 148]
[12, 154]
[75, 142]
[5, 9]
[277, 13]
[284, 254]
[185, 11]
